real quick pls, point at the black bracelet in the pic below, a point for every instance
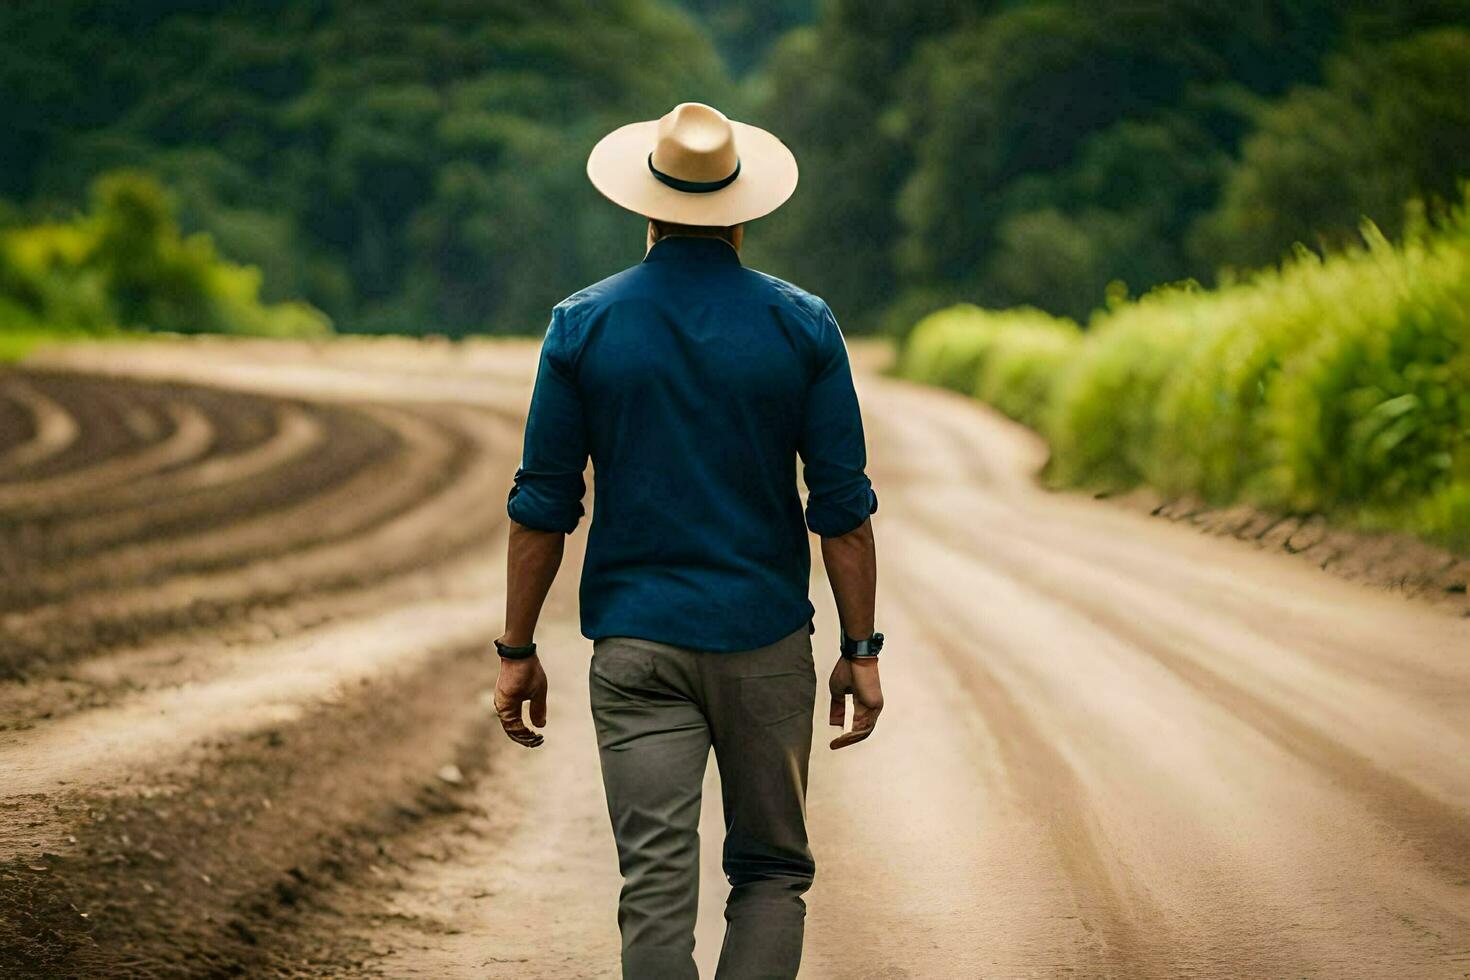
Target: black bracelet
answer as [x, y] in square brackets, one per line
[516, 653]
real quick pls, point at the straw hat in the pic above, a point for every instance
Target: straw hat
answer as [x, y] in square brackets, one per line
[693, 167]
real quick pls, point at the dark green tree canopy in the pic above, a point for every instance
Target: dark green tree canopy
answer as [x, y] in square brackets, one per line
[412, 165]
[1034, 152]
[418, 165]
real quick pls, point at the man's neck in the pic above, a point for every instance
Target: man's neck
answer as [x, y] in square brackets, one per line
[735, 242]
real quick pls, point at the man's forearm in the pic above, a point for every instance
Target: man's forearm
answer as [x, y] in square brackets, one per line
[532, 560]
[852, 568]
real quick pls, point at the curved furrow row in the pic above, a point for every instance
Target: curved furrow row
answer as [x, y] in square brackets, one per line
[185, 500]
[40, 427]
[145, 655]
[238, 424]
[18, 424]
[105, 424]
[112, 419]
[266, 455]
[312, 455]
[291, 460]
[423, 457]
[142, 465]
[283, 511]
[451, 517]
[110, 441]
[190, 436]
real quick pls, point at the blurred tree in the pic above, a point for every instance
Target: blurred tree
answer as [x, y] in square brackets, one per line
[126, 264]
[1119, 213]
[1390, 123]
[829, 93]
[1074, 109]
[745, 31]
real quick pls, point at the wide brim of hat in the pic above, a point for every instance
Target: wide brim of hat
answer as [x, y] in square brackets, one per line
[618, 167]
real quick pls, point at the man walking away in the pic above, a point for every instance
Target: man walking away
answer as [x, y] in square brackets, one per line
[694, 384]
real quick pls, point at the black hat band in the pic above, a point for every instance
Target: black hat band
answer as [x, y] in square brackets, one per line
[694, 186]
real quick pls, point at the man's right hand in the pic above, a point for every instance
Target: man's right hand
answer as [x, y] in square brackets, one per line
[859, 679]
[521, 681]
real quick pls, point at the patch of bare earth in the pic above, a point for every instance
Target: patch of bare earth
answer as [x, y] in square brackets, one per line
[1396, 562]
[205, 865]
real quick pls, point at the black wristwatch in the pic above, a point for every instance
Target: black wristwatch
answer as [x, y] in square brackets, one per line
[862, 649]
[516, 653]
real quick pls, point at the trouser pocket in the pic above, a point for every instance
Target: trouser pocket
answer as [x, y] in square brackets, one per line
[624, 668]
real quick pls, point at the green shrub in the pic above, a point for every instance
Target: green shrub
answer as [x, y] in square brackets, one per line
[126, 266]
[1443, 517]
[1018, 376]
[1375, 411]
[946, 348]
[1338, 386]
[1103, 419]
[1208, 439]
[1002, 356]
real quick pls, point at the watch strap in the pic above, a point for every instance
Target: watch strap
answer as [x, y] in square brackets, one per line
[862, 649]
[516, 653]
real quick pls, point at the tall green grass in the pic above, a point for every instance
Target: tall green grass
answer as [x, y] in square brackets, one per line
[1008, 358]
[1337, 386]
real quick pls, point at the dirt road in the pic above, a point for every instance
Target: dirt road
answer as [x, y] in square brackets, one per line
[246, 598]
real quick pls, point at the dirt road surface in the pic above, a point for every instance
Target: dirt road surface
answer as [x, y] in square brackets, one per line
[247, 592]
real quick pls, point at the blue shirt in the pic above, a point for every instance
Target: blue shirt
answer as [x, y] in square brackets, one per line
[694, 383]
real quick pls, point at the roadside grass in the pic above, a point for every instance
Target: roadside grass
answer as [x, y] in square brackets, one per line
[16, 344]
[1337, 386]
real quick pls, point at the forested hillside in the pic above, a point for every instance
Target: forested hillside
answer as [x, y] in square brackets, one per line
[1034, 152]
[413, 165]
[417, 166]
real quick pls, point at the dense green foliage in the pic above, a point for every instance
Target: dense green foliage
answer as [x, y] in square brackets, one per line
[125, 266]
[1031, 153]
[1339, 386]
[744, 32]
[830, 92]
[1390, 124]
[417, 165]
[1007, 358]
[413, 165]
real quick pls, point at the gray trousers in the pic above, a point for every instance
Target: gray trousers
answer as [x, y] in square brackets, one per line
[658, 710]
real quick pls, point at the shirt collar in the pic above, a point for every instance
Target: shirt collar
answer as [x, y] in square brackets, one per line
[687, 248]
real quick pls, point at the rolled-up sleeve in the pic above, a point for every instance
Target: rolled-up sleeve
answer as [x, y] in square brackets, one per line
[834, 456]
[549, 487]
